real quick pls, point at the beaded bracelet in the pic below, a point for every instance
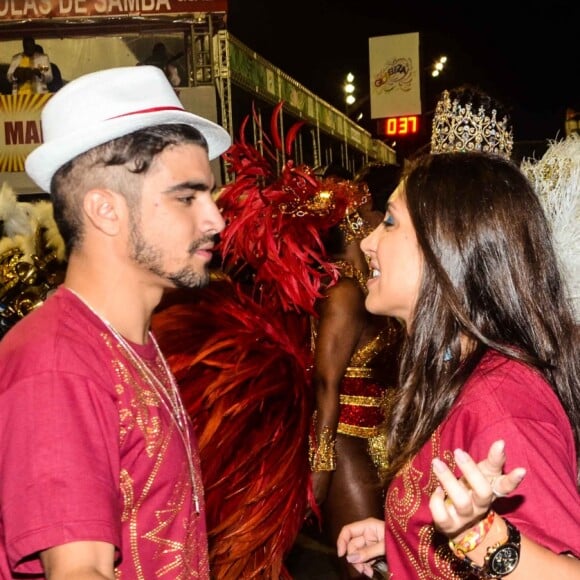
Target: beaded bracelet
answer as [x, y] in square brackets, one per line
[472, 537]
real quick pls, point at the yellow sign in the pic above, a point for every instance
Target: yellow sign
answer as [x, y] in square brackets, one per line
[20, 129]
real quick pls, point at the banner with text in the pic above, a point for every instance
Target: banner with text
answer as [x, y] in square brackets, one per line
[33, 9]
[395, 75]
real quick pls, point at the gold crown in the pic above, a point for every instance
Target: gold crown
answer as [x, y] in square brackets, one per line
[458, 128]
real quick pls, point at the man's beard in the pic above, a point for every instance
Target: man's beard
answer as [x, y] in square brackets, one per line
[150, 257]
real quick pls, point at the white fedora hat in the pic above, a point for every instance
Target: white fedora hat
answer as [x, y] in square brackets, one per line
[102, 106]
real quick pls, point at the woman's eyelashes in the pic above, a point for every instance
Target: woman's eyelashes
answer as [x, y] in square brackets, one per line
[388, 221]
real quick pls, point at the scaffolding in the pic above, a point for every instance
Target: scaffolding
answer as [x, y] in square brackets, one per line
[219, 73]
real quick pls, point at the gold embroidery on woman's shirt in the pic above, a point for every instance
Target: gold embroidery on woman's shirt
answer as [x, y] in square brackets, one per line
[403, 502]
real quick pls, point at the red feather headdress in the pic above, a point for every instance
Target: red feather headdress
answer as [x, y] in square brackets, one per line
[276, 221]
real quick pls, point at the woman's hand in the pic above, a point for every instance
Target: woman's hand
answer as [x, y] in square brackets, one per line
[363, 543]
[458, 504]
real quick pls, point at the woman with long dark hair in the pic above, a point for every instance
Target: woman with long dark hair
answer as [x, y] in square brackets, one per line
[490, 373]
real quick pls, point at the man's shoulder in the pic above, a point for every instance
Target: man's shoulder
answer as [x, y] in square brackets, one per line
[60, 320]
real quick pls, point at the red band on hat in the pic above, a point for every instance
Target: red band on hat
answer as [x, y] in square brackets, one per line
[152, 110]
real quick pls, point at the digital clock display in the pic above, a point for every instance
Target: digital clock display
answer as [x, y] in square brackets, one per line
[398, 126]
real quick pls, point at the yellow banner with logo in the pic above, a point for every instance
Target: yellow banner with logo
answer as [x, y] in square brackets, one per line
[20, 129]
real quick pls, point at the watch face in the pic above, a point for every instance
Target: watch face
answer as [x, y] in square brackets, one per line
[504, 560]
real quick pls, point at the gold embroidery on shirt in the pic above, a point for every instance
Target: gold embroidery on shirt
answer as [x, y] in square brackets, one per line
[139, 412]
[127, 493]
[403, 502]
[142, 413]
[158, 535]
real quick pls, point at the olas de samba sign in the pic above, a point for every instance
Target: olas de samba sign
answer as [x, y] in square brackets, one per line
[42, 9]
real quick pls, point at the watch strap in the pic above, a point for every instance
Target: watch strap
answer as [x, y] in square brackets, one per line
[501, 558]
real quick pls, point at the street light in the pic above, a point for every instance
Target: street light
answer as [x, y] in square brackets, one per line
[349, 89]
[438, 66]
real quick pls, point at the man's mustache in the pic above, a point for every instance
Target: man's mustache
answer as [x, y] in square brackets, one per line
[213, 239]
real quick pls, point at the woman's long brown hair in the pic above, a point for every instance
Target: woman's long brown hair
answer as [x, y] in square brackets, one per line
[491, 274]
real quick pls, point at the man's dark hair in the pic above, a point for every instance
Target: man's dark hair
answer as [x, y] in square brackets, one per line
[119, 165]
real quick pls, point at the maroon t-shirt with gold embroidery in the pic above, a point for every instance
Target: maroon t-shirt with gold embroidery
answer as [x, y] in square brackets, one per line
[87, 451]
[505, 400]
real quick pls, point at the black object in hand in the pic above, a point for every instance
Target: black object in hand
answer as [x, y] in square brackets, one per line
[23, 74]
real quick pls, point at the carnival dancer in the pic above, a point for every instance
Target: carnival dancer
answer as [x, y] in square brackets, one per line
[244, 370]
[99, 462]
[489, 374]
[355, 370]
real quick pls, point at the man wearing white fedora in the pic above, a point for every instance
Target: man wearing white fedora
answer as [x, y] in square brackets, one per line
[99, 463]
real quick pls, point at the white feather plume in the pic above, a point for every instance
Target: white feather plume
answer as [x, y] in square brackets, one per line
[15, 215]
[20, 223]
[44, 217]
[556, 178]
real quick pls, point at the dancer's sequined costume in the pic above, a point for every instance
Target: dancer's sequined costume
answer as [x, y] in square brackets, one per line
[367, 387]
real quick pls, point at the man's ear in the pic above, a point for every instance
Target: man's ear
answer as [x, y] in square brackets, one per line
[103, 210]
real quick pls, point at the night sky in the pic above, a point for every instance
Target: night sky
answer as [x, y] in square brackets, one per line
[527, 57]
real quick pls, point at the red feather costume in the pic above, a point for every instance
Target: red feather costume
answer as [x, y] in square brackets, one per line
[240, 351]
